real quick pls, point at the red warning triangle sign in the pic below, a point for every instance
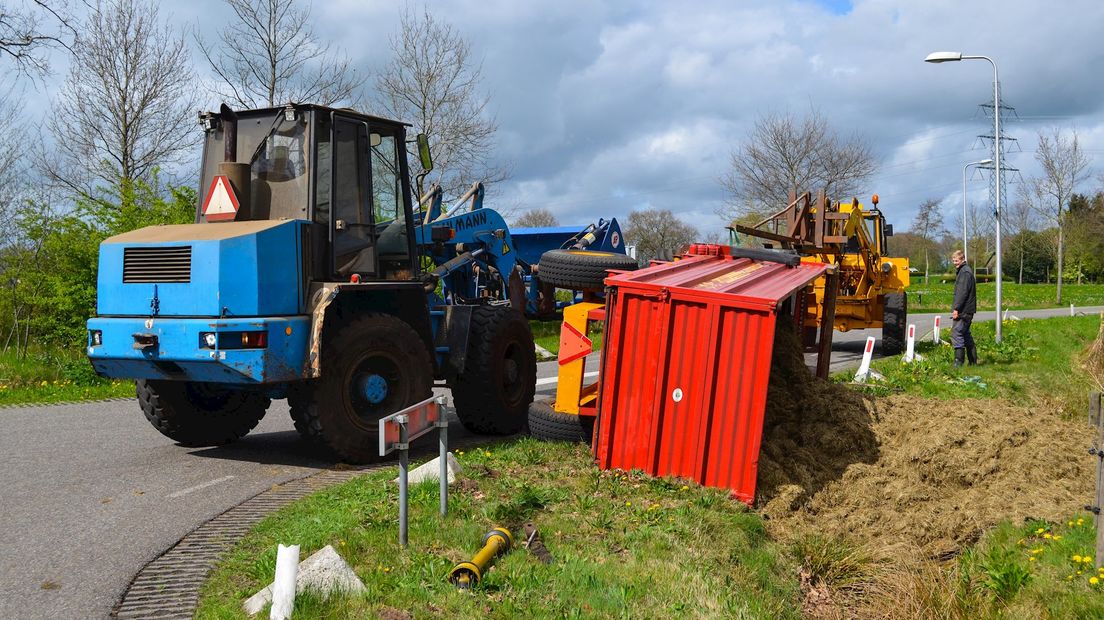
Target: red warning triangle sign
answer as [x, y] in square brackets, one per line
[573, 344]
[221, 204]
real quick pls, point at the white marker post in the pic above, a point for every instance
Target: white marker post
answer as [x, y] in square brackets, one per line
[910, 345]
[935, 332]
[283, 586]
[1071, 309]
[864, 367]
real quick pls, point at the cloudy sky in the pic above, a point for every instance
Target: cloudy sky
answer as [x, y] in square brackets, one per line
[609, 106]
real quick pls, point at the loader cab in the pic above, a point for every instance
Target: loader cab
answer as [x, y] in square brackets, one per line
[345, 173]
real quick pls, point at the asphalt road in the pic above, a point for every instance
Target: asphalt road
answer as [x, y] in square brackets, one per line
[92, 492]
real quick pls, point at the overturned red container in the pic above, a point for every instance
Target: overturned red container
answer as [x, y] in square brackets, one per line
[686, 361]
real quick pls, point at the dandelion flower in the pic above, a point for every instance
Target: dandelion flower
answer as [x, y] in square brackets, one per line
[1047, 536]
[1087, 559]
[1031, 559]
[1094, 580]
[684, 488]
[628, 503]
[1076, 558]
[1057, 537]
[1040, 531]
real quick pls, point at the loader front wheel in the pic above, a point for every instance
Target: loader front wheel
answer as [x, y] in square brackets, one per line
[194, 413]
[581, 270]
[500, 373]
[371, 368]
[893, 323]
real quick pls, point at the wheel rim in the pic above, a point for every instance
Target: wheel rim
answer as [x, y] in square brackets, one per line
[374, 387]
[513, 384]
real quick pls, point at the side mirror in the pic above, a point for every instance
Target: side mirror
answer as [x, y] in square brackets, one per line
[889, 230]
[423, 152]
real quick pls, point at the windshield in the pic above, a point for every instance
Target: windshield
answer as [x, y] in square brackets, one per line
[275, 148]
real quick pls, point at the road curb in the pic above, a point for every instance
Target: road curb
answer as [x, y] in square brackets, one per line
[116, 399]
[168, 586]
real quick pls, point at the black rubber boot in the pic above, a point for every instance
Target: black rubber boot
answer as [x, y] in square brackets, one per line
[971, 354]
[960, 356]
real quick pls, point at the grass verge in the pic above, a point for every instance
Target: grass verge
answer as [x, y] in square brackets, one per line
[1038, 360]
[546, 333]
[54, 376]
[936, 296]
[624, 546]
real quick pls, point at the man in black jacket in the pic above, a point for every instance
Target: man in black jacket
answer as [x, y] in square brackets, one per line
[962, 310]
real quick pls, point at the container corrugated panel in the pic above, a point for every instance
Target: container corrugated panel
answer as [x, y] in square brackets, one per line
[685, 367]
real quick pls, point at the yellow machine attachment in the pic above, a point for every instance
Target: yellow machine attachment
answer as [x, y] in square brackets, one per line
[571, 395]
[871, 285]
[466, 575]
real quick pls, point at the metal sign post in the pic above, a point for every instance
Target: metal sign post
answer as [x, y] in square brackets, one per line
[397, 430]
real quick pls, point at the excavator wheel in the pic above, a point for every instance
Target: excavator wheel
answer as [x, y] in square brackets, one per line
[581, 270]
[893, 323]
[492, 396]
[194, 413]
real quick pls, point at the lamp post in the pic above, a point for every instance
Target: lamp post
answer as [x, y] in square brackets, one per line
[937, 57]
[984, 162]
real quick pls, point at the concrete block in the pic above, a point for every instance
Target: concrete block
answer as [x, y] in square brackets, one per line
[432, 470]
[324, 572]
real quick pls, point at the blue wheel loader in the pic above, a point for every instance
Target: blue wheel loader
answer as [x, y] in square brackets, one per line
[310, 274]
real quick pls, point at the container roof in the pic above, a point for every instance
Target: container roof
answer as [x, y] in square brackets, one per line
[741, 281]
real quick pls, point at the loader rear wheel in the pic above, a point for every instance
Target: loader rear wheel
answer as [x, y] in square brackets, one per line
[547, 424]
[893, 323]
[194, 413]
[492, 396]
[580, 270]
[371, 368]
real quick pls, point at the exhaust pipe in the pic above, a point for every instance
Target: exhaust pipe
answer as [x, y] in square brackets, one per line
[238, 174]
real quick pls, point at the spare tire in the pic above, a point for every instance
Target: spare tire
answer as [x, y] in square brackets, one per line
[581, 270]
[547, 424]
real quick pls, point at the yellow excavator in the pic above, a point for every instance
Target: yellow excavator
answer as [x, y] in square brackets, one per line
[871, 286]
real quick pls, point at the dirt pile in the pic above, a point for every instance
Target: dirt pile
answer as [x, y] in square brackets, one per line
[933, 473]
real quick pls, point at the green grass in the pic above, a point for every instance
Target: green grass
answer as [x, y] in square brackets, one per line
[547, 334]
[1033, 570]
[1038, 359]
[624, 546]
[54, 376]
[936, 296]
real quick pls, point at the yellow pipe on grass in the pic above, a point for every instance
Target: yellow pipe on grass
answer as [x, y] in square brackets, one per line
[496, 542]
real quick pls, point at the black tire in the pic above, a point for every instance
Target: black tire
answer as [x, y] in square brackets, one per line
[194, 413]
[580, 270]
[893, 323]
[373, 350]
[547, 424]
[492, 396]
[299, 400]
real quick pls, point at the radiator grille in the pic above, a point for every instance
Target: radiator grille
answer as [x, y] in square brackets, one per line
[171, 264]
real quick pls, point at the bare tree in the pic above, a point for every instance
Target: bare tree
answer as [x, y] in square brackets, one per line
[657, 233]
[1019, 218]
[784, 154]
[29, 32]
[434, 82]
[127, 107]
[536, 218]
[271, 56]
[1064, 165]
[928, 224]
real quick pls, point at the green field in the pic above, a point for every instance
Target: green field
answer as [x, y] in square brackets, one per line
[937, 296]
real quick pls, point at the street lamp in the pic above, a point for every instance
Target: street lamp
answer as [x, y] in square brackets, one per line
[937, 57]
[984, 162]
